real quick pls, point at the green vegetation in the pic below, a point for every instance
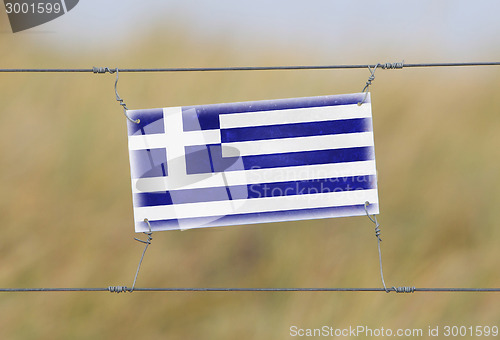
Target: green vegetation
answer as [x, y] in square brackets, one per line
[66, 210]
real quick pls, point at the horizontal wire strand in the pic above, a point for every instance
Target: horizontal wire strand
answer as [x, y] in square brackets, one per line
[249, 68]
[125, 289]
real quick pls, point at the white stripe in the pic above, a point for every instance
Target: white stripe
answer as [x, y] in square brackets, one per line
[63, 2]
[140, 142]
[302, 115]
[297, 144]
[174, 138]
[255, 176]
[223, 208]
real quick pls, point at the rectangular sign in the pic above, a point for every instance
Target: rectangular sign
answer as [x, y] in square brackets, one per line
[252, 162]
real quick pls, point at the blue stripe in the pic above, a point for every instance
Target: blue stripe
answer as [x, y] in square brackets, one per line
[199, 161]
[308, 158]
[251, 191]
[206, 117]
[151, 122]
[262, 217]
[331, 127]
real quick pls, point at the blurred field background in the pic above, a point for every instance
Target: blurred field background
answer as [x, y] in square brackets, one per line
[66, 210]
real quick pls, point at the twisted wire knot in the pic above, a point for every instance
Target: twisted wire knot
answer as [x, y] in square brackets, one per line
[122, 103]
[369, 81]
[118, 289]
[374, 220]
[148, 241]
[103, 70]
[403, 289]
[118, 99]
[385, 66]
[378, 232]
[392, 66]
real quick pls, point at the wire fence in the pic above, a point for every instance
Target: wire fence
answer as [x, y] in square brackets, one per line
[371, 67]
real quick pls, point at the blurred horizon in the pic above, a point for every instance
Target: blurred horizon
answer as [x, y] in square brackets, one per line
[324, 32]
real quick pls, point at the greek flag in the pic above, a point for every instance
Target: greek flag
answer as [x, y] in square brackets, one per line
[252, 162]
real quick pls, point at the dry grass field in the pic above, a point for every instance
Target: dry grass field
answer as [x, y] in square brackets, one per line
[66, 209]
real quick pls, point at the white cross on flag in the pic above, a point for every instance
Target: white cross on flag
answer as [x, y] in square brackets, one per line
[252, 162]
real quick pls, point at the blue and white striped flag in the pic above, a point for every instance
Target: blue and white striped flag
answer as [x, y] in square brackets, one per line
[252, 162]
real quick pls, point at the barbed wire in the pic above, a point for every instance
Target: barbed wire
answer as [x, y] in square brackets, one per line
[397, 65]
